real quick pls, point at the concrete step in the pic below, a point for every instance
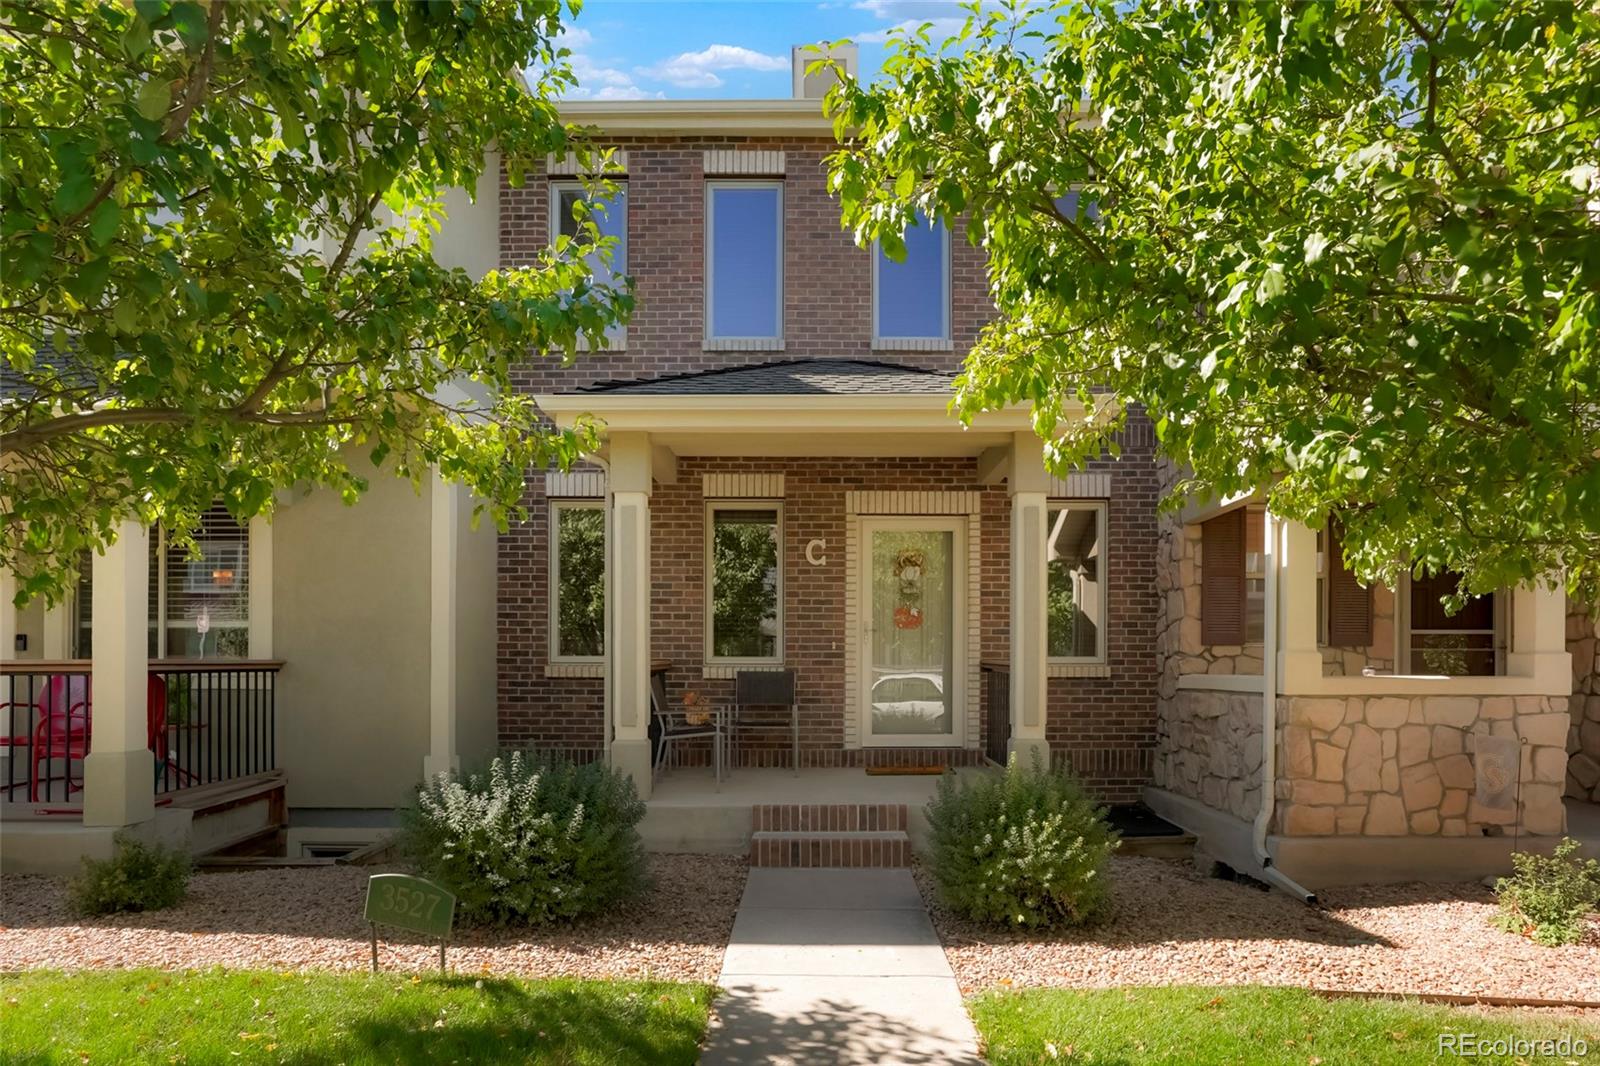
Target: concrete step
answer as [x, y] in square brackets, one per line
[828, 817]
[815, 848]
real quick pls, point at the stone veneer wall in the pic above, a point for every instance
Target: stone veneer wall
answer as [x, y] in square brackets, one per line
[1208, 747]
[1397, 766]
[1583, 736]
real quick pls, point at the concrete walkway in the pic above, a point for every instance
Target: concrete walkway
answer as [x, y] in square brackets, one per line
[836, 967]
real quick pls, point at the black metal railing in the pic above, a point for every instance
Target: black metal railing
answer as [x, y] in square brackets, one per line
[997, 711]
[207, 721]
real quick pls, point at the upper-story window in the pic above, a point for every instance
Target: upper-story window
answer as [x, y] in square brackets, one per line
[610, 217]
[912, 296]
[744, 264]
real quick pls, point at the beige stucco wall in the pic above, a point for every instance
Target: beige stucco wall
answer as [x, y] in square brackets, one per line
[351, 622]
[470, 235]
[476, 583]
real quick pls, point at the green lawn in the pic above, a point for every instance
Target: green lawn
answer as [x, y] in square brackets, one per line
[145, 1016]
[1200, 1026]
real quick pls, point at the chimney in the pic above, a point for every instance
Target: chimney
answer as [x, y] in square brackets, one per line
[816, 86]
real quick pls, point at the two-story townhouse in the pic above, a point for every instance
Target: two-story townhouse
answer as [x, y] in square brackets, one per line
[780, 488]
[784, 488]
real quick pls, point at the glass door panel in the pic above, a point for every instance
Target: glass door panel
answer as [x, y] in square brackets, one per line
[910, 633]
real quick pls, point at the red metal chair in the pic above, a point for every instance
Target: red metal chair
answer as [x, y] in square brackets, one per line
[65, 734]
[62, 731]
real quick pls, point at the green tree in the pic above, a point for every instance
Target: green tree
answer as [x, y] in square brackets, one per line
[1345, 253]
[215, 255]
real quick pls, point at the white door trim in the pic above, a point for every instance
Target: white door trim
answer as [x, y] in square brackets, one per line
[964, 606]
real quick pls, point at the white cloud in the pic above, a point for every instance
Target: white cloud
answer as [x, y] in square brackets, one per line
[597, 80]
[698, 70]
[912, 10]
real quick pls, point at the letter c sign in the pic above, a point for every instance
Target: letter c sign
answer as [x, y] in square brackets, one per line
[814, 554]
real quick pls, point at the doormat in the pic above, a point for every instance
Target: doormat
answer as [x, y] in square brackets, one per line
[905, 771]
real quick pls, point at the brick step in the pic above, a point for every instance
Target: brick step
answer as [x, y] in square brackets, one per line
[828, 817]
[872, 848]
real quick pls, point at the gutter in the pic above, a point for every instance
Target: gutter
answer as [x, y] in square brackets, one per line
[1273, 541]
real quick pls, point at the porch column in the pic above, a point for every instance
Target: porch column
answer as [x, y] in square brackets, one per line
[1299, 660]
[629, 486]
[119, 774]
[1029, 486]
[1539, 637]
[444, 507]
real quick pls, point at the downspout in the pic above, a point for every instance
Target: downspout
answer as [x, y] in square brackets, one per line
[1273, 540]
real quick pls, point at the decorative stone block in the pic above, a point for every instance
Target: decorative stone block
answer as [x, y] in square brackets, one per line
[1456, 772]
[1363, 760]
[1348, 819]
[1478, 814]
[1317, 793]
[1446, 741]
[1323, 714]
[1298, 758]
[1550, 729]
[1387, 713]
[1459, 711]
[1454, 804]
[1542, 812]
[1453, 827]
[1425, 823]
[1420, 787]
[1549, 765]
[1416, 742]
[1302, 821]
[1496, 707]
[1386, 816]
[1584, 769]
[1330, 762]
[1391, 777]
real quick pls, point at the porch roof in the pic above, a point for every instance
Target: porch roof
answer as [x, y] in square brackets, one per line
[790, 377]
[792, 407]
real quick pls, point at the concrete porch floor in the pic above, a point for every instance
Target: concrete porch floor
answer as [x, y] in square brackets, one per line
[686, 811]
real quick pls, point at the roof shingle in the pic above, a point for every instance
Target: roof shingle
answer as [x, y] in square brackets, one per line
[793, 377]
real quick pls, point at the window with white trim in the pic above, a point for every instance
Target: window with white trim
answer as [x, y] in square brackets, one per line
[1077, 597]
[744, 581]
[570, 206]
[911, 295]
[744, 261]
[577, 581]
[199, 600]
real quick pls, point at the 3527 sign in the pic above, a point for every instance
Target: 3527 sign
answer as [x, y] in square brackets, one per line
[411, 903]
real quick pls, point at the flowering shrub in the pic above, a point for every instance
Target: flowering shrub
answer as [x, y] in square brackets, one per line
[1024, 847]
[534, 839]
[1549, 897]
[139, 877]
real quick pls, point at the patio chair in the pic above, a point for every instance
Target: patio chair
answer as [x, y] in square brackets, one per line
[63, 732]
[673, 726]
[756, 695]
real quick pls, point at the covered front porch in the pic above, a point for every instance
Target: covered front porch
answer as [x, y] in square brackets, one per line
[887, 519]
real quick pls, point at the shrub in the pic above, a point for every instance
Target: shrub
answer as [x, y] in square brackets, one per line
[1024, 848]
[1548, 896]
[535, 839]
[139, 877]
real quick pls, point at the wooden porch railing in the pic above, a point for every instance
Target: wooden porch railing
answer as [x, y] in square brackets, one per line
[997, 710]
[207, 721]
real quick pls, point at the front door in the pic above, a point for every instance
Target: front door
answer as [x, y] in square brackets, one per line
[912, 640]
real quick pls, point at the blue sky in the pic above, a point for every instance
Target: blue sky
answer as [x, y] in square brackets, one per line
[669, 49]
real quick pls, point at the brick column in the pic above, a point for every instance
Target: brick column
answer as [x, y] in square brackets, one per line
[1028, 485]
[119, 774]
[628, 650]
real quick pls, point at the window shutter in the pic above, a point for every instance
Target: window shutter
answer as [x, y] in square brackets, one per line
[1349, 602]
[1222, 578]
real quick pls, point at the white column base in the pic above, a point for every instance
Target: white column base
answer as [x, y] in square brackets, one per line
[119, 787]
[434, 765]
[632, 756]
[1023, 750]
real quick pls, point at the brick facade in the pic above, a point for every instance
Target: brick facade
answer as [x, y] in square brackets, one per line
[1104, 726]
